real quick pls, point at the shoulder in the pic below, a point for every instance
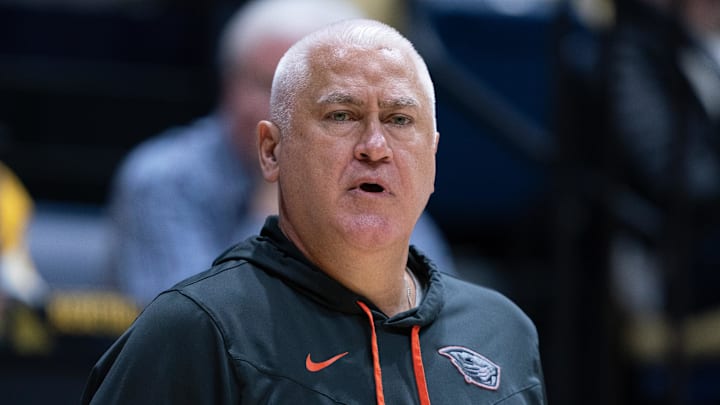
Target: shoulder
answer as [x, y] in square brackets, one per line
[173, 334]
[200, 308]
[170, 312]
[193, 310]
[487, 307]
[222, 280]
[229, 291]
[485, 325]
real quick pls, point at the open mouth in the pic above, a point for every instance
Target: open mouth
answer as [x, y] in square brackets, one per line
[372, 188]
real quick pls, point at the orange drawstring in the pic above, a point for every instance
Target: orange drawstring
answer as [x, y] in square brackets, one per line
[376, 357]
[418, 367]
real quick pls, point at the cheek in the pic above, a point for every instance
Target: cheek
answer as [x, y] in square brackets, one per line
[310, 167]
[424, 175]
[421, 164]
[427, 176]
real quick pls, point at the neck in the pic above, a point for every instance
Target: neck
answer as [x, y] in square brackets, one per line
[384, 283]
[377, 274]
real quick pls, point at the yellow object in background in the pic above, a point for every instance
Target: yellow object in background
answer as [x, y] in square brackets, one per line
[90, 313]
[15, 210]
[18, 276]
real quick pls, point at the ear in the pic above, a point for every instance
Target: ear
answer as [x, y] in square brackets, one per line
[268, 149]
[436, 141]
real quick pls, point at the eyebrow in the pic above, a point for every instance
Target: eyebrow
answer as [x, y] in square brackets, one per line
[337, 97]
[345, 98]
[399, 102]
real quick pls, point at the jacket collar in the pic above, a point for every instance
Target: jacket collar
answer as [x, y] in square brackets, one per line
[275, 254]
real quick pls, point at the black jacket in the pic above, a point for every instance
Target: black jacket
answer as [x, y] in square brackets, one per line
[265, 326]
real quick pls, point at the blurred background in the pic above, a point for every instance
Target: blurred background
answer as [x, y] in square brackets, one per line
[578, 173]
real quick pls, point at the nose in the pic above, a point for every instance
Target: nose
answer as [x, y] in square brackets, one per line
[373, 144]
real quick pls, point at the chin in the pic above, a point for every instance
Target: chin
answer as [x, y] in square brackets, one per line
[373, 231]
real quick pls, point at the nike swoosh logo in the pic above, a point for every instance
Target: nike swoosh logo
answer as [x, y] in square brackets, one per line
[315, 367]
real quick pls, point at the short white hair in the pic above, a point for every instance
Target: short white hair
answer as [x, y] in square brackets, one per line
[293, 71]
[283, 19]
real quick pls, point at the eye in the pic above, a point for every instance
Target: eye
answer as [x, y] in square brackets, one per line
[400, 120]
[339, 116]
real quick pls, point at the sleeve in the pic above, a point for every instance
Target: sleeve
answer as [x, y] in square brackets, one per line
[534, 392]
[160, 234]
[173, 354]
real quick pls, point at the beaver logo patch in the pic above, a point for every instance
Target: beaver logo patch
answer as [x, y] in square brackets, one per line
[476, 368]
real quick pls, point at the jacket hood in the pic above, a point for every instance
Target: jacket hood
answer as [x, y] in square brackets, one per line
[275, 254]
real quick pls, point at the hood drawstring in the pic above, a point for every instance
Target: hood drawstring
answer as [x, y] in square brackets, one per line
[379, 393]
[418, 368]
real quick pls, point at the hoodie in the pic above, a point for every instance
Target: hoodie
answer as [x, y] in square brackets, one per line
[266, 326]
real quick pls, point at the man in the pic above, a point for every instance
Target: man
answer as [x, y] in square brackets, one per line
[168, 221]
[330, 304]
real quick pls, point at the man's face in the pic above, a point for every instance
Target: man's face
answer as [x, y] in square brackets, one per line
[359, 161]
[247, 93]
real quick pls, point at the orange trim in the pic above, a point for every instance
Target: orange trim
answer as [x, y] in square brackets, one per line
[418, 367]
[376, 356]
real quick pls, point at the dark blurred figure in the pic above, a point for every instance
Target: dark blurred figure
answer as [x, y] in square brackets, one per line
[662, 99]
[638, 124]
[580, 345]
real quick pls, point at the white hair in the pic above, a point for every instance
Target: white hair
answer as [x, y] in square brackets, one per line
[293, 72]
[283, 19]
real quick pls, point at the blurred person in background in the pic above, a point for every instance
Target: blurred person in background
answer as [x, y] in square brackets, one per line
[169, 221]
